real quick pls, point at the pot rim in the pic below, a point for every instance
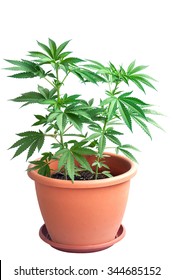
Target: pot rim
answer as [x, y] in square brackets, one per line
[52, 182]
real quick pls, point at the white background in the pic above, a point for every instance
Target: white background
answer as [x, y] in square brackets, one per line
[120, 31]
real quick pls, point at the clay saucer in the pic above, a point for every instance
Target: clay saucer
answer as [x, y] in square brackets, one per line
[44, 235]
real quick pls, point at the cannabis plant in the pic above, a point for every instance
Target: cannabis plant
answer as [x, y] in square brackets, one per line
[80, 127]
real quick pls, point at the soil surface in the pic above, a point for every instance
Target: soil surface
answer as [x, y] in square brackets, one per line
[83, 176]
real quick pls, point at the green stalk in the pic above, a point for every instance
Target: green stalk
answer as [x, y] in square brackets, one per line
[97, 169]
[104, 128]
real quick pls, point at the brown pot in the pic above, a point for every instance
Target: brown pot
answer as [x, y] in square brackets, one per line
[83, 214]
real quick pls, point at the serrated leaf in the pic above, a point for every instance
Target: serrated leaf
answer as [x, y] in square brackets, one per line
[112, 131]
[152, 112]
[32, 148]
[31, 140]
[125, 114]
[29, 97]
[83, 151]
[61, 121]
[45, 48]
[28, 134]
[132, 105]
[107, 173]
[22, 148]
[131, 66]
[113, 139]
[142, 125]
[44, 170]
[53, 48]
[71, 60]
[23, 75]
[64, 54]
[63, 158]
[38, 54]
[128, 146]
[153, 122]
[96, 63]
[143, 80]
[137, 69]
[24, 65]
[75, 121]
[17, 143]
[137, 83]
[112, 109]
[62, 47]
[82, 161]
[70, 166]
[95, 127]
[93, 136]
[44, 91]
[15, 68]
[102, 145]
[128, 154]
[90, 76]
[137, 101]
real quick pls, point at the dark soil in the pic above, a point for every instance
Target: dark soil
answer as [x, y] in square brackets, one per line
[84, 175]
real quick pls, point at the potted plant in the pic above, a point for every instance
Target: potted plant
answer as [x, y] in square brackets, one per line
[82, 190]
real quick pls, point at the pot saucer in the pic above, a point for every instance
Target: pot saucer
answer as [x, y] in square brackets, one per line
[44, 235]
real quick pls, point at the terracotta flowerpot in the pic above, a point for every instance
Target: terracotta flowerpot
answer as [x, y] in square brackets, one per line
[84, 215]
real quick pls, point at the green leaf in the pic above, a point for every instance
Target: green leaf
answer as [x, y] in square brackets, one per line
[61, 121]
[107, 173]
[93, 136]
[83, 151]
[132, 105]
[142, 125]
[63, 158]
[44, 91]
[125, 114]
[64, 54]
[112, 109]
[152, 112]
[137, 101]
[95, 127]
[82, 161]
[44, 170]
[39, 55]
[75, 121]
[42, 165]
[71, 60]
[24, 65]
[128, 146]
[29, 97]
[96, 63]
[53, 48]
[128, 154]
[89, 76]
[31, 140]
[102, 145]
[41, 120]
[23, 75]
[137, 69]
[113, 139]
[70, 166]
[111, 131]
[131, 66]
[28, 134]
[143, 80]
[45, 48]
[61, 47]
[153, 122]
[137, 83]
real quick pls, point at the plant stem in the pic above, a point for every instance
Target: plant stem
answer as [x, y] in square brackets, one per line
[49, 82]
[97, 168]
